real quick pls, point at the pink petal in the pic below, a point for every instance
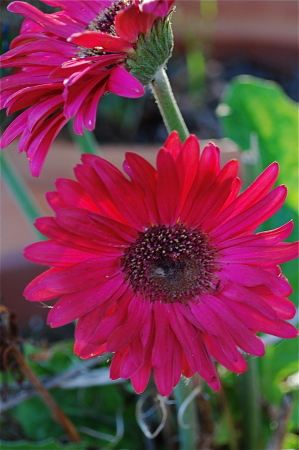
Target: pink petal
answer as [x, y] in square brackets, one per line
[284, 308]
[173, 145]
[136, 315]
[256, 320]
[56, 282]
[96, 189]
[162, 345]
[97, 39]
[40, 112]
[124, 84]
[128, 200]
[261, 255]
[187, 165]
[131, 21]
[221, 352]
[80, 223]
[55, 201]
[256, 191]
[41, 141]
[73, 194]
[243, 337]
[49, 253]
[54, 23]
[194, 348]
[126, 233]
[44, 44]
[270, 237]
[144, 174]
[74, 305]
[248, 220]
[29, 96]
[128, 367]
[167, 376]
[209, 203]
[237, 293]
[250, 276]
[14, 129]
[158, 7]
[87, 325]
[141, 378]
[114, 320]
[208, 169]
[49, 228]
[209, 165]
[168, 188]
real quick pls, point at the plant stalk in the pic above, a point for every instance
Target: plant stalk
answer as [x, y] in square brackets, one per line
[167, 105]
[86, 143]
[250, 396]
[185, 394]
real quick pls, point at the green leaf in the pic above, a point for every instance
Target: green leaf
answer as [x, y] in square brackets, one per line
[254, 106]
[280, 361]
[36, 420]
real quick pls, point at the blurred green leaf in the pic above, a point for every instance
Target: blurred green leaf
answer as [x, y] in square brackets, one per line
[251, 105]
[36, 420]
[291, 441]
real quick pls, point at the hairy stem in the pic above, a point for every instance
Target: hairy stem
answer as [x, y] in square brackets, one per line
[167, 104]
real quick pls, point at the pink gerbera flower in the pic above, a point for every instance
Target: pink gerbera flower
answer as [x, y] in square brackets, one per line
[69, 59]
[163, 269]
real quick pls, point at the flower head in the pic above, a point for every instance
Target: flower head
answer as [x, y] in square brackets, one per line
[163, 268]
[69, 59]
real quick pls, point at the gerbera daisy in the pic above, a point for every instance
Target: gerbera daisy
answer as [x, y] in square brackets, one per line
[163, 268]
[69, 59]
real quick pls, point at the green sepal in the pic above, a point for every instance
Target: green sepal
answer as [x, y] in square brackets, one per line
[152, 51]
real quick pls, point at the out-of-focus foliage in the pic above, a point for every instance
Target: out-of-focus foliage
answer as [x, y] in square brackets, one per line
[252, 106]
[94, 409]
[257, 113]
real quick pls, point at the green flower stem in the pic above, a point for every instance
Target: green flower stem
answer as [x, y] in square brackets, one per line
[19, 190]
[167, 104]
[250, 397]
[87, 142]
[189, 429]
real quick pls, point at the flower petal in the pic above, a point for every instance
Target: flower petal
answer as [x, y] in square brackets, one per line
[168, 188]
[97, 39]
[79, 276]
[74, 305]
[124, 84]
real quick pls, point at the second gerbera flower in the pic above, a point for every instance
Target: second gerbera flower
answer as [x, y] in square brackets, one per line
[164, 270]
[70, 59]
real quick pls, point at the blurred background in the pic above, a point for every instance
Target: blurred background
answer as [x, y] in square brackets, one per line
[234, 72]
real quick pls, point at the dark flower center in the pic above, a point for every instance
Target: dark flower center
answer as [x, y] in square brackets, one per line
[105, 20]
[171, 264]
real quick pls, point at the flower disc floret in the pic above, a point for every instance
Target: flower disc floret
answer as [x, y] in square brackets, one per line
[171, 264]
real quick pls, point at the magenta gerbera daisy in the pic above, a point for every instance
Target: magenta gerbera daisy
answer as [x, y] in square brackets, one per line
[163, 268]
[69, 59]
